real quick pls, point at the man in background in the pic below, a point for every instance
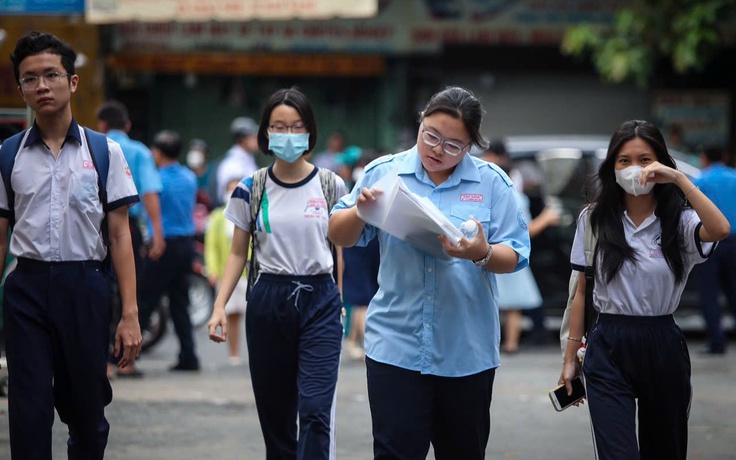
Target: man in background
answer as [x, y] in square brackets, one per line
[718, 273]
[170, 273]
[239, 161]
[113, 120]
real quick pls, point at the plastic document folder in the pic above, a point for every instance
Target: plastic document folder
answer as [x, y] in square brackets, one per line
[409, 217]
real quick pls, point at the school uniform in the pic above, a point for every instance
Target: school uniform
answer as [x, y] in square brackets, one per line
[57, 302]
[292, 324]
[432, 329]
[636, 354]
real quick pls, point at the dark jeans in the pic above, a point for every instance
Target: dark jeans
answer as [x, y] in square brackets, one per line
[56, 320]
[411, 410]
[716, 275]
[170, 274]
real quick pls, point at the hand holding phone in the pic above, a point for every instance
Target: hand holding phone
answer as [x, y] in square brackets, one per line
[561, 400]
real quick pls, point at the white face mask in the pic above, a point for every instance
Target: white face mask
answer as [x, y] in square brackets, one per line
[628, 179]
[195, 159]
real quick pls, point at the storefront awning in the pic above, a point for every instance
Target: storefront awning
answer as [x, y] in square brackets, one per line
[117, 11]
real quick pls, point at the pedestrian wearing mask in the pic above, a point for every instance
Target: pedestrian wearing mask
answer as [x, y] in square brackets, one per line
[432, 330]
[293, 327]
[648, 240]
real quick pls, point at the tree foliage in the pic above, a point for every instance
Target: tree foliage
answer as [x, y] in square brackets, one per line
[685, 32]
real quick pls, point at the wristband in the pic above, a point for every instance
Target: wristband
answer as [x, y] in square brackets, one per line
[575, 339]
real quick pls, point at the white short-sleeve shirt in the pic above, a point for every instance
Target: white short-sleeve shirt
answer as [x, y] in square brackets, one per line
[58, 214]
[647, 287]
[291, 228]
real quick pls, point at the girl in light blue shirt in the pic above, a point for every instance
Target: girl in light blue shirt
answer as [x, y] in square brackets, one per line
[432, 329]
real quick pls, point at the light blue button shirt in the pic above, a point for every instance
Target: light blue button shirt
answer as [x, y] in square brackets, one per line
[437, 316]
[142, 167]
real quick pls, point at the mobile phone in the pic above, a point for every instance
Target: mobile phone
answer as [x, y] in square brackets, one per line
[560, 398]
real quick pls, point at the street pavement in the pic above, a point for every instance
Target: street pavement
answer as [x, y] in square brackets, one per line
[211, 414]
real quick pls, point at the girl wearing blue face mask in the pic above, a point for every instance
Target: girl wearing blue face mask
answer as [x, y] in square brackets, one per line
[293, 327]
[648, 241]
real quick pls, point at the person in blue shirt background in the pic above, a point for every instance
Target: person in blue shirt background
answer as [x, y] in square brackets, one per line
[718, 273]
[170, 272]
[113, 120]
[432, 330]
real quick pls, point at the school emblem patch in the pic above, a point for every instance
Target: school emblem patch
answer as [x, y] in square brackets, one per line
[520, 218]
[656, 252]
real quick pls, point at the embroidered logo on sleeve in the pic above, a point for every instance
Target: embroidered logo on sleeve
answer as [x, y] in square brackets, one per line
[127, 171]
[520, 218]
[473, 197]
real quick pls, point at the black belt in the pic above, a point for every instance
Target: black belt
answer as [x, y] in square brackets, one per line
[42, 265]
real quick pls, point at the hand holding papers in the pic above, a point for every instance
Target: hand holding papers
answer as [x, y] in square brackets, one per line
[409, 217]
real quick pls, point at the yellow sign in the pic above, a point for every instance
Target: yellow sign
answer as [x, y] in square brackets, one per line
[115, 11]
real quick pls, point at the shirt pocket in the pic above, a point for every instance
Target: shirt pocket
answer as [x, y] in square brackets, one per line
[459, 213]
[84, 191]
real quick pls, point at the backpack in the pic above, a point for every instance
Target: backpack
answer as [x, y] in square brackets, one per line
[326, 179]
[590, 243]
[100, 154]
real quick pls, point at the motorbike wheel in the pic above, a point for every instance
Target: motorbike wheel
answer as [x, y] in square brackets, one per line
[201, 300]
[157, 325]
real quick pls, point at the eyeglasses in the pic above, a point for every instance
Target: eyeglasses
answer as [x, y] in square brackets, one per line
[51, 78]
[281, 129]
[449, 148]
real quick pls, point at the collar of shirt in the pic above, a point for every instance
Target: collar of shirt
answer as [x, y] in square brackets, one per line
[35, 134]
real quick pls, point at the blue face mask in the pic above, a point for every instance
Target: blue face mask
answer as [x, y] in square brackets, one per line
[288, 146]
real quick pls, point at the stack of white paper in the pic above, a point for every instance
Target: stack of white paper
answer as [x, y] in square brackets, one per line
[410, 217]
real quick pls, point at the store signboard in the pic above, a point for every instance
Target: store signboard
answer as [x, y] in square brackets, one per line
[399, 26]
[693, 117]
[115, 11]
[23, 7]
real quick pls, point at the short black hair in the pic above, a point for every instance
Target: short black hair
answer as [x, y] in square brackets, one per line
[169, 143]
[497, 146]
[34, 43]
[713, 153]
[114, 113]
[293, 98]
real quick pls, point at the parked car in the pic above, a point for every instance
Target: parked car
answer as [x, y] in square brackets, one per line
[555, 170]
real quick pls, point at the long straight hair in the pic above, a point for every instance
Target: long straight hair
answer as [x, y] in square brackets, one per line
[609, 205]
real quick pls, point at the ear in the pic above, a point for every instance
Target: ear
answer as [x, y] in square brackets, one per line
[20, 91]
[73, 82]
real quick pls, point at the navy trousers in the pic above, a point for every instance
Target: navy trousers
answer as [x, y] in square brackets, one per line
[716, 275]
[56, 323]
[294, 337]
[170, 273]
[634, 360]
[411, 410]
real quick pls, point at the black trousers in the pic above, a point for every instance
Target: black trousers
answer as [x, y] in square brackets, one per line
[634, 360]
[56, 322]
[170, 274]
[410, 410]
